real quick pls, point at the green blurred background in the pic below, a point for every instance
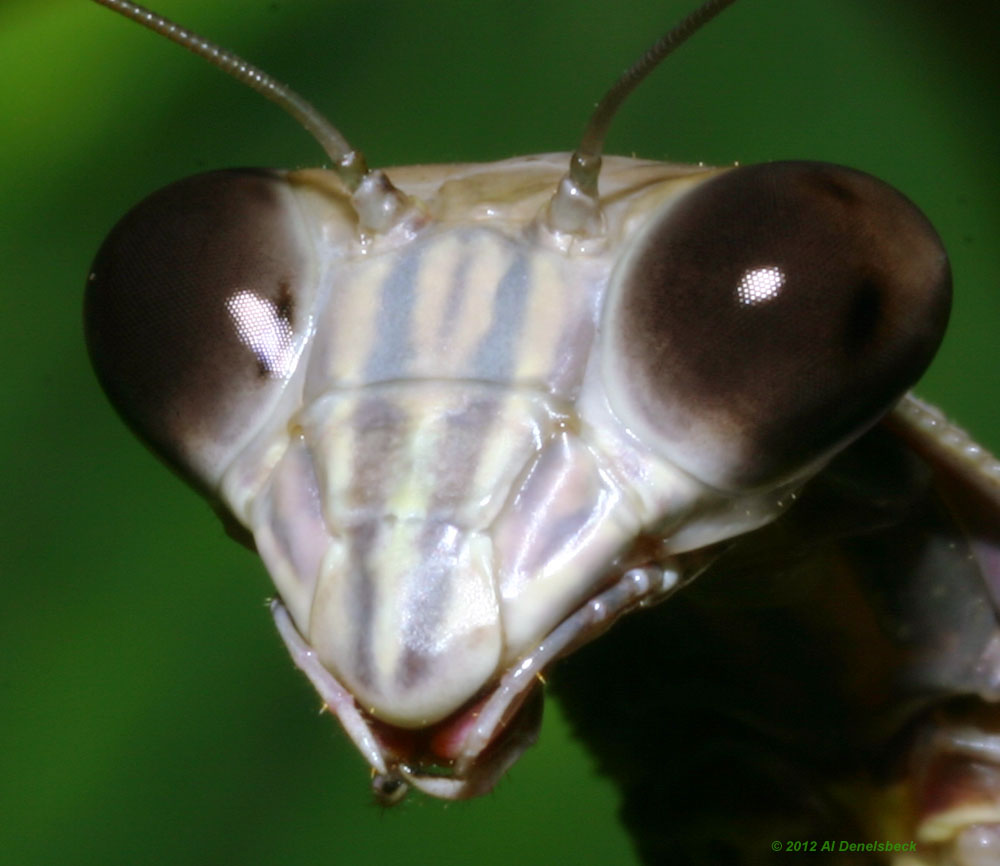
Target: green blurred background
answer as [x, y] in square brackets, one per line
[148, 712]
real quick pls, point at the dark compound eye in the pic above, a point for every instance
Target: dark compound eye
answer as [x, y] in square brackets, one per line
[770, 316]
[196, 310]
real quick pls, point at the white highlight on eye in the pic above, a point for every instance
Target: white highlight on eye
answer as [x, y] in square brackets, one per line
[759, 285]
[264, 332]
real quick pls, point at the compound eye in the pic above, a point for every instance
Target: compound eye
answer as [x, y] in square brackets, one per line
[769, 317]
[196, 311]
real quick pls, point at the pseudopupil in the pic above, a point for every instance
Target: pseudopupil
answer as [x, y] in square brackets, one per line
[772, 315]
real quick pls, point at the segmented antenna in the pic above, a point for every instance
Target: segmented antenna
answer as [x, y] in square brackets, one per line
[575, 203]
[348, 163]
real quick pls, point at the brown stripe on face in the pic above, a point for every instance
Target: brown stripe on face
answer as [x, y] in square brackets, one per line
[295, 491]
[378, 427]
[458, 295]
[493, 358]
[361, 599]
[391, 353]
[459, 453]
[456, 462]
[430, 590]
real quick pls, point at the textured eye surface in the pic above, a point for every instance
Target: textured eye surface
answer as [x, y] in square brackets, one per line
[195, 312]
[770, 316]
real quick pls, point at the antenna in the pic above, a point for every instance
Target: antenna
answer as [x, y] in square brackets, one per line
[379, 203]
[575, 202]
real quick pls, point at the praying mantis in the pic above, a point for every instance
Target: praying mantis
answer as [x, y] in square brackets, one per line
[619, 131]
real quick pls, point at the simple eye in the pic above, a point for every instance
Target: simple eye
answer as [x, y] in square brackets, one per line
[770, 316]
[196, 310]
